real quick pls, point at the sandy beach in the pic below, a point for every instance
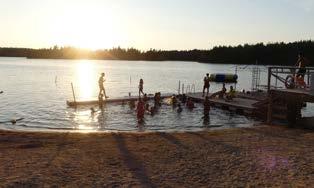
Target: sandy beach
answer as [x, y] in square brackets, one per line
[261, 156]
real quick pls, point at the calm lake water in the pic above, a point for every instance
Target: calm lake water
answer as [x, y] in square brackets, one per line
[37, 90]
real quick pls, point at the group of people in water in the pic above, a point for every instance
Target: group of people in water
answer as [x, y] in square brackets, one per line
[143, 107]
[179, 101]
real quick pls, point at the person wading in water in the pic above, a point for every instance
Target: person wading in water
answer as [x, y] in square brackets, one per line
[101, 86]
[206, 85]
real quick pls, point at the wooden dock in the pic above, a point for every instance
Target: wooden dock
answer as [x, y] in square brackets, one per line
[238, 104]
[121, 100]
[286, 104]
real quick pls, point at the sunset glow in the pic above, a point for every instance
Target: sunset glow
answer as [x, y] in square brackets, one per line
[85, 28]
[98, 24]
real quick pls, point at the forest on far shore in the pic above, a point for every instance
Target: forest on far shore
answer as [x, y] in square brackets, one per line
[264, 54]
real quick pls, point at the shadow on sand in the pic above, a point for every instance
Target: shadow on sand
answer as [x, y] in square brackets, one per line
[173, 140]
[134, 165]
[226, 147]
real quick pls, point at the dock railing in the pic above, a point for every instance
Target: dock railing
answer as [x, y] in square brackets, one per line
[286, 75]
[188, 88]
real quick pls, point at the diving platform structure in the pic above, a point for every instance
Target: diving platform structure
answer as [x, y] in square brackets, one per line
[286, 104]
[278, 102]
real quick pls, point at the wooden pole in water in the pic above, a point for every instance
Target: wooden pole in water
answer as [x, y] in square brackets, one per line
[269, 80]
[179, 87]
[308, 77]
[73, 93]
[270, 108]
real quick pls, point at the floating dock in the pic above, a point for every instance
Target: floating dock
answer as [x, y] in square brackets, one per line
[272, 104]
[121, 100]
[239, 104]
[286, 104]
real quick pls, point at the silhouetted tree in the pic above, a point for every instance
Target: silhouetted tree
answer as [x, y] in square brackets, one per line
[266, 54]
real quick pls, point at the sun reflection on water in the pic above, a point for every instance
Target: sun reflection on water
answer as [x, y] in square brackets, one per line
[86, 80]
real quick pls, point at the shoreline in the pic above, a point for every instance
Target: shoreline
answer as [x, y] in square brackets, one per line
[257, 156]
[142, 60]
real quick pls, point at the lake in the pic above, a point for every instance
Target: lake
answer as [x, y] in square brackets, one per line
[37, 90]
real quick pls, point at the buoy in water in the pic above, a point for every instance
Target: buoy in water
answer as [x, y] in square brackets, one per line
[226, 78]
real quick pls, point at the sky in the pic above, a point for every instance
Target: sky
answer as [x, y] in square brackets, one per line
[158, 24]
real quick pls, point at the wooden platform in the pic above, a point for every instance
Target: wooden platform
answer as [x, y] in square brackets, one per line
[237, 104]
[111, 100]
[293, 101]
[302, 93]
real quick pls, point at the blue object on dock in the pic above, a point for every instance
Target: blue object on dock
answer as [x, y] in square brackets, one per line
[226, 78]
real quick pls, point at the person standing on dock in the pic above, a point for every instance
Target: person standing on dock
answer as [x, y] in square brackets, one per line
[102, 90]
[141, 87]
[302, 63]
[206, 84]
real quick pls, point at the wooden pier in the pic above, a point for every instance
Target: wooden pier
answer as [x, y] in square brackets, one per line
[239, 104]
[121, 100]
[286, 104]
[272, 104]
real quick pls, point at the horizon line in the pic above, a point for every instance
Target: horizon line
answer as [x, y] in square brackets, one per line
[158, 49]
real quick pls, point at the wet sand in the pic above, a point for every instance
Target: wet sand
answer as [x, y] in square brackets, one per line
[261, 156]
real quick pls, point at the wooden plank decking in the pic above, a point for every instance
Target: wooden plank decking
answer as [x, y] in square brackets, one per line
[305, 94]
[111, 100]
[237, 103]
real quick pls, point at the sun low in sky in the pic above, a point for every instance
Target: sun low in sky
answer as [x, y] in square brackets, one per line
[145, 24]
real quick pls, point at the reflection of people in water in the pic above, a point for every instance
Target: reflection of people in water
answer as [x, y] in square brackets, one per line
[152, 111]
[132, 104]
[157, 99]
[183, 98]
[173, 100]
[100, 100]
[189, 104]
[92, 111]
[179, 110]
[140, 110]
[206, 107]
[147, 107]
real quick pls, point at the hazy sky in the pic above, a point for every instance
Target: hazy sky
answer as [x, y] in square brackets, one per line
[161, 24]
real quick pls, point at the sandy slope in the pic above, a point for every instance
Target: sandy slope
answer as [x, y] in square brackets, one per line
[263, 156]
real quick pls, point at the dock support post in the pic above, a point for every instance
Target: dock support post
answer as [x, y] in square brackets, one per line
[73, 93]
[270, 108]
[179, 90]
[269, 80]
[308, 77]
[182, 88]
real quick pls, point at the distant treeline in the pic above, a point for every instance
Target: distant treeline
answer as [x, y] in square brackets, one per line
[266, 54]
